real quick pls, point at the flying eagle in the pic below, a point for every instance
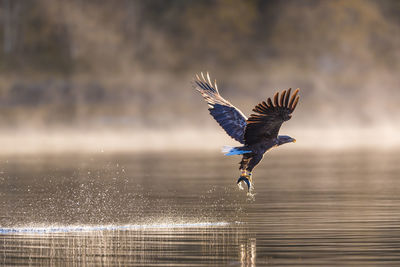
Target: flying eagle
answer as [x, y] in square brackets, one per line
[257, 134]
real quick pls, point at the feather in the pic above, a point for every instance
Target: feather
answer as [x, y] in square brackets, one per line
[295, 103]
[287, 97]
[202, 75]
[270, 105]
[228, 116]
[276, 96]
[263, 106]
[208, 78]
[264, 126]
[293, 98]
[282, 98]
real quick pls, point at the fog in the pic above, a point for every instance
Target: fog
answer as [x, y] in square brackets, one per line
[117, 75]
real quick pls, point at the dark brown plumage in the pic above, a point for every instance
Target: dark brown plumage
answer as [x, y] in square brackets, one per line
[267, 121]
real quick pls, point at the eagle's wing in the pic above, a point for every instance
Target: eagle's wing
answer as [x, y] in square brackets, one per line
[230, 118]
[265, 124]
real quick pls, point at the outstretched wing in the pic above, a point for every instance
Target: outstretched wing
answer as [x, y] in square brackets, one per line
[265, 124]
[230, 118]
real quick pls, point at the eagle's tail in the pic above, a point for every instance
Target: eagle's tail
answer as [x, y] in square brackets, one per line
[229, 150]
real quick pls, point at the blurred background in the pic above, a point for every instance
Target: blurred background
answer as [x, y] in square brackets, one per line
[117, 75]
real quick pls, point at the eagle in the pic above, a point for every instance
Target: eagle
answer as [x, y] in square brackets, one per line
[259, 133]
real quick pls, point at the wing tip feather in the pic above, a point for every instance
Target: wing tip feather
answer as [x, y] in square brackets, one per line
[292, 99]
[276, 96]
[295, 103]
[281, 100]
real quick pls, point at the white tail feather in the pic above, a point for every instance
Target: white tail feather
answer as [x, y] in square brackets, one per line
[226, 149]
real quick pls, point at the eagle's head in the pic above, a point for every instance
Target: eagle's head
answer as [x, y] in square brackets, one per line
[283, 139]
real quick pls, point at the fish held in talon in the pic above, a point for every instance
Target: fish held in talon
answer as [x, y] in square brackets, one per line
[257, 134]
[245, 180]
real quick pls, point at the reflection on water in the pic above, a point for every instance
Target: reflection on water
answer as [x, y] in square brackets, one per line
[205, 245]
[324, 208]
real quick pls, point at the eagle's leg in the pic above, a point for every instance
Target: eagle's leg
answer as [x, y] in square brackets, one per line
[246, 167]
[245, 176]
[253, 162]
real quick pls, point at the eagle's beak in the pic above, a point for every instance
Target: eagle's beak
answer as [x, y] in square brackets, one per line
[294, 140]
[244, 179]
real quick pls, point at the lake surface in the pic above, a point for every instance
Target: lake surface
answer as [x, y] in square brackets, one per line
[310, 208]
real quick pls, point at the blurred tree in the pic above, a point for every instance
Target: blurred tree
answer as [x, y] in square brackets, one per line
[11, 12]
[136, 57]
[220, 31]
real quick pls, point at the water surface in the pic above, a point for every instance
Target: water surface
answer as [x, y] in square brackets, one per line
[310, 208]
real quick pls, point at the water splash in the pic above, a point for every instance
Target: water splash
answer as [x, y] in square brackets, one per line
[91, 228]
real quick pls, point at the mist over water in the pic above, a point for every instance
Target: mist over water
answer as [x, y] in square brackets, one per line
[86, 71]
